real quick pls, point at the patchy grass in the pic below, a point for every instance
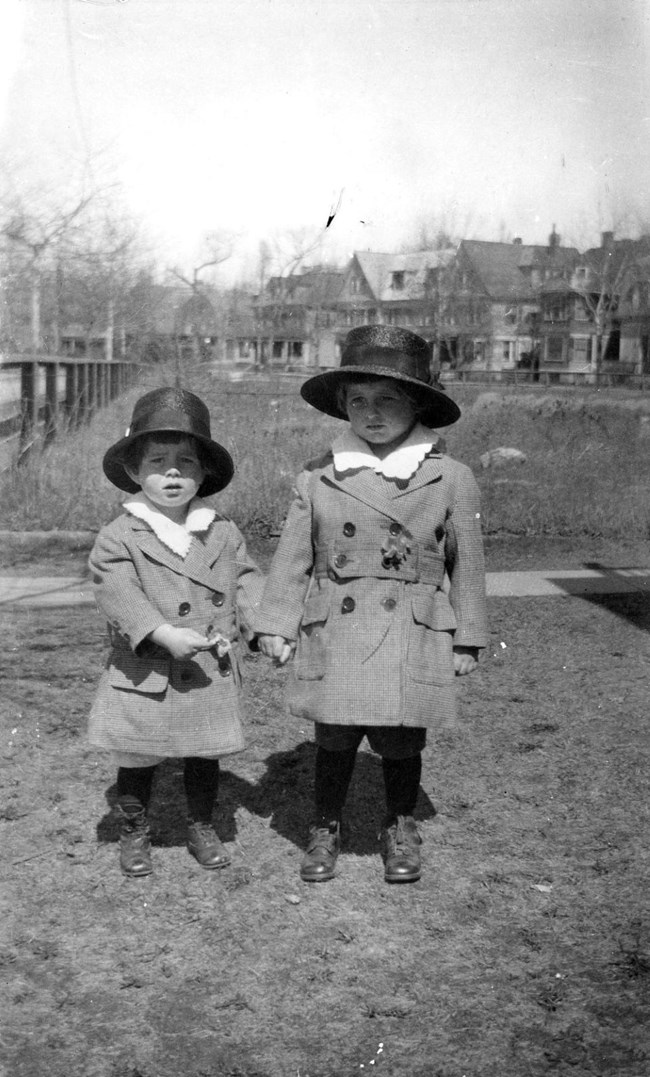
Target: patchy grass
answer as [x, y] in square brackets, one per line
[587, 470]
[523, 950]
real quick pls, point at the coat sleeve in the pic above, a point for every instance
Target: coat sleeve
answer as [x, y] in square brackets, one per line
[250, 585]
[465, 563]
[286, 587]
[118, 589]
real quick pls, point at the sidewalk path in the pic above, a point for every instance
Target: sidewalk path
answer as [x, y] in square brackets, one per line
[39, 592]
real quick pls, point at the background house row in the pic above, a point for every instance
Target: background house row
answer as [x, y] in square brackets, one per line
[483, 306]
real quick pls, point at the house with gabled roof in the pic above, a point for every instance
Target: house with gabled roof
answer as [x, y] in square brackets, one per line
[487, 304]
[581, 318]
[633, 316]
[381, 288]
[296, 318]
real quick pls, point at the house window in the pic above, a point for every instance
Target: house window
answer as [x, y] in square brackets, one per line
[507, 350]
[397, 282]
[581, 311]
[355, 285]
[554, 349]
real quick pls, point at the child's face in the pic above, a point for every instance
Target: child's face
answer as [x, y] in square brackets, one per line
[170, 475]
[380, 413]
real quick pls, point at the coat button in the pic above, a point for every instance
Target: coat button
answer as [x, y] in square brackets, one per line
[347, 604]
[340, 560]
[218, 598]
[395, 529]
[389, 603]
[184, 609]
[349, 530]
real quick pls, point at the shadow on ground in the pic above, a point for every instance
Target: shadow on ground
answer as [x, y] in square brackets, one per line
[283, 794]
[633, 606]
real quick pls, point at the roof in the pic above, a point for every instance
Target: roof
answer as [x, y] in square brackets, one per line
[379, 268]
[313, 287]
[504, 270]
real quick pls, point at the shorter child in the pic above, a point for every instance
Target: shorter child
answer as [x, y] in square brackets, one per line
[173, 579]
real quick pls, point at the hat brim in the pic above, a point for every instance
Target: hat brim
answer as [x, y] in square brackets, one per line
[321, 393]
[221, 463]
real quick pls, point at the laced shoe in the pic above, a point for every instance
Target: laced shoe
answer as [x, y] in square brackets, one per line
[323, 848]
[205, 846]
[135, 847]
[401, 850]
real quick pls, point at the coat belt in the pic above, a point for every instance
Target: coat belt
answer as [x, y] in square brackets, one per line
[344, 563]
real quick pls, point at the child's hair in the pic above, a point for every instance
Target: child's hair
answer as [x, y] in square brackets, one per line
[134, 453]
[400, 387]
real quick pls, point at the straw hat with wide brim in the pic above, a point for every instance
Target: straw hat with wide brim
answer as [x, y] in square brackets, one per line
[384, 351]
[169, 410]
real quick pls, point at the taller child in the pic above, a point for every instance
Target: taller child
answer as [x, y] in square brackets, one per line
[175, 583]
[379, 578]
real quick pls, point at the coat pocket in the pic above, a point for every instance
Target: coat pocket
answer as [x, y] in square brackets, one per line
[311, 655]
[430, 657]
[131, 674]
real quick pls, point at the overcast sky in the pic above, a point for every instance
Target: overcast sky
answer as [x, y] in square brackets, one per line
[503, 117]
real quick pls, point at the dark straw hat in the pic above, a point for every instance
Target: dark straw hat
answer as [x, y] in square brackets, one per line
[386, 352]
[176, 411]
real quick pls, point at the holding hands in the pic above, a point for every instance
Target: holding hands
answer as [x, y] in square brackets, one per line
[276, 647]
[465, 660]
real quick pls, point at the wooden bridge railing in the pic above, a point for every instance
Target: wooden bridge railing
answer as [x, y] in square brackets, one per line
[89, 384]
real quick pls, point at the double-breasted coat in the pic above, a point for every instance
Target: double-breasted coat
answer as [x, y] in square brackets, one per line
[147, 701]
[377, 580]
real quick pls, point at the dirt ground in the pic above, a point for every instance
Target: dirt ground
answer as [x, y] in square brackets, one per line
[523, 951]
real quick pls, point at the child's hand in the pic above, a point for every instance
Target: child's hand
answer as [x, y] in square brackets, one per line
[180, 642]
[276, 647]
[465, 660]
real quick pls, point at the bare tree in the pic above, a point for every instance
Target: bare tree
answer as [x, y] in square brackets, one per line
[100, 270]
[440, 230]
[216, 248]
[32, 236]
[599, 279]
[287, 255]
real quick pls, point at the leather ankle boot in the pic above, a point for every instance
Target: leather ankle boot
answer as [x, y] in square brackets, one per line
[322, 850]
[401, 850]
[204, 846]
[135, 848]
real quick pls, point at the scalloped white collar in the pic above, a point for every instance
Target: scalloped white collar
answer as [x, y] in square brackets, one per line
[351, 453]
[176, 537]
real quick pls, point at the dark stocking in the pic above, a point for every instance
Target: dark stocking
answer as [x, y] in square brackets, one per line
[134, 786]
[332, 780]
[201, 781]
[402, 781]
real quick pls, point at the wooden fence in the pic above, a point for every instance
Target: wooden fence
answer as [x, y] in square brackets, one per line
[74, 389]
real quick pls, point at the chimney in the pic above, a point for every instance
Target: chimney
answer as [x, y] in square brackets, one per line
[553, 240]
[517, 241]
[607, 240]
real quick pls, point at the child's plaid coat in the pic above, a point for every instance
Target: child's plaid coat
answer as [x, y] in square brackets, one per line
[148, 701]
[377, 582]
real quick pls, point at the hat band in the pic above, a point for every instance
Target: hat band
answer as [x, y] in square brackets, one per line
[169, 419]
[386, 359]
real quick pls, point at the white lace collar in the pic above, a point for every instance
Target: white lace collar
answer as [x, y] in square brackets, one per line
[177, 537]
[352, 452]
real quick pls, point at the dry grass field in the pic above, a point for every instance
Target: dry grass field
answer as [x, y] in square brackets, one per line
[523, 950]
[587, 468]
